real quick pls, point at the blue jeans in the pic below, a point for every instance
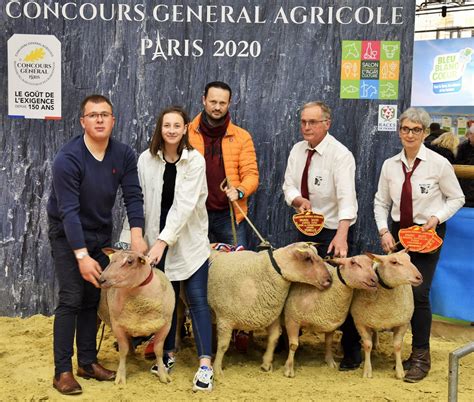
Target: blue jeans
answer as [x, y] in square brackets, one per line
[195, 288]
[76, 311]
[220, 229]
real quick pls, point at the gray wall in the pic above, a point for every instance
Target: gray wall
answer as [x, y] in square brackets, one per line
[298, 63]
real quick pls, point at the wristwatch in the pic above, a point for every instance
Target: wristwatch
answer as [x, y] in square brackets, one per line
[81, 254]
[240, 193]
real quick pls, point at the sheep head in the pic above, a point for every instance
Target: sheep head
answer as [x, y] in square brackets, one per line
[396, 269]
[300, 262]
[357, 272]
[127, 269]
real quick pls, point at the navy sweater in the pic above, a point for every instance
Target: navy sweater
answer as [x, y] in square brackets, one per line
[84, 189]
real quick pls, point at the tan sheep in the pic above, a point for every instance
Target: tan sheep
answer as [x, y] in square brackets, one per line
[136, 300]
[390, 307]
[326, 310]
[246, 292]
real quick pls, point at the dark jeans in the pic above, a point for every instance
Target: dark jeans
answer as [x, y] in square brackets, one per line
[350, 340]
[76, 311]
[195, 288]
[422, 316]
[220, 229]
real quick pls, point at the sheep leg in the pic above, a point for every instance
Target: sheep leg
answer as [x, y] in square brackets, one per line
[375, 341]
[224, 333]
[398, 334]
[366, 335]
[293, 330]
[160, 337]
[124, 347]
[273, 331]
[328, 355]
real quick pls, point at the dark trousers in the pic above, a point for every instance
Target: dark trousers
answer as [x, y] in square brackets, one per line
[195, 288]
[76, 311]
[220, 229]
[422, 316]
[350, 340]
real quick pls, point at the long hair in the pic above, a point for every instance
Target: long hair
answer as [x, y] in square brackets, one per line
[447, 140]
[157, 143]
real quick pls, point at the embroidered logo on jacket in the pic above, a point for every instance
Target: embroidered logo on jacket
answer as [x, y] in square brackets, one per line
[318, 180]
[425, 188]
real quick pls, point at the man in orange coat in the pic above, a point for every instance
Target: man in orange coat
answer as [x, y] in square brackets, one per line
[229, 153]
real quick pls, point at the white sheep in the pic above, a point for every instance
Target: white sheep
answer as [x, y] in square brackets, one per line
[136, 300]
[390, 307]
[326, 310]
[246, 291]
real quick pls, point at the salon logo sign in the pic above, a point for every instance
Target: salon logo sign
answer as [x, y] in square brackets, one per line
[448, 69]
[370, 69]
[34, 77]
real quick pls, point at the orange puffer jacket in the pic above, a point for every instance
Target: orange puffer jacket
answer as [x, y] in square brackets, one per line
[240, 160]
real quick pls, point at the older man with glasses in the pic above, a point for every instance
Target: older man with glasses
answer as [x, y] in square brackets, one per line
[320, 177]
[87, 172]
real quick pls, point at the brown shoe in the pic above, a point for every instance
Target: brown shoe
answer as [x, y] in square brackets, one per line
[67, 384]
[407, 363]
[420, 365]
[95, 370]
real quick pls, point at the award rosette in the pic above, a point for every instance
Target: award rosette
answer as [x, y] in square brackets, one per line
[309, 223]
[415, 239]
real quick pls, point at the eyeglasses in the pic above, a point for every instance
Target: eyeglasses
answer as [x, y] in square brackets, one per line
[95, 116]
[414, 130]
[311, 123]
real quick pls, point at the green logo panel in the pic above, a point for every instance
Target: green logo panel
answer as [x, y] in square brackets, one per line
[350, 89]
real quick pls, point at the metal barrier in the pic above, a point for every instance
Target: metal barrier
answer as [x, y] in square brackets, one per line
[454, 368]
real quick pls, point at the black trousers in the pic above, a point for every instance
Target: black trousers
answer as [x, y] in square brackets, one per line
[350, 340]
[76, 311]
[422, 316]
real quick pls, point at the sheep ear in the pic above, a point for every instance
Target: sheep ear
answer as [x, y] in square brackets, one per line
[332, 261]
[109, 251]
[373, 257]
[303, 252]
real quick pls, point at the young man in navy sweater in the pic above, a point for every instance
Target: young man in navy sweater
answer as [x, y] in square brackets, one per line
[87, 172]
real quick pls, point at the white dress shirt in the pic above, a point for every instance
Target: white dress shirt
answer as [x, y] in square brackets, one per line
[435, 189]
[331, 180]
[186, 226]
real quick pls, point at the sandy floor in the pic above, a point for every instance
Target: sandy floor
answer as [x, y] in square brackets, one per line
[26, 369]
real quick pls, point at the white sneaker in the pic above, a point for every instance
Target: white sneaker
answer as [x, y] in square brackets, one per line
[168, 361]
[203, 379]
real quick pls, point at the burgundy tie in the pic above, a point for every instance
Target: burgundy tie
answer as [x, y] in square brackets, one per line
[304, 178]
[406, 202]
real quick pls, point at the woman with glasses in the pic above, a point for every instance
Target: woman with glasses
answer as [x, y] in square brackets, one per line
[173, 179]
[416, 187]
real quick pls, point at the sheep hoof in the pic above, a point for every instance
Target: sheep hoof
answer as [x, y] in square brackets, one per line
[120, 380]
[331, 364]
[268, 367]
[367, 375]
[164, 378]
[290, 373]
[218, 373]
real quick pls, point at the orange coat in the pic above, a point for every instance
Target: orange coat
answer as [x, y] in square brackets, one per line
[240, 160]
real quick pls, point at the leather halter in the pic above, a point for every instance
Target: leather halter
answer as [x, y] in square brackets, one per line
[340, 276]
[148, 279]
[273, 261]
[382, 283]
